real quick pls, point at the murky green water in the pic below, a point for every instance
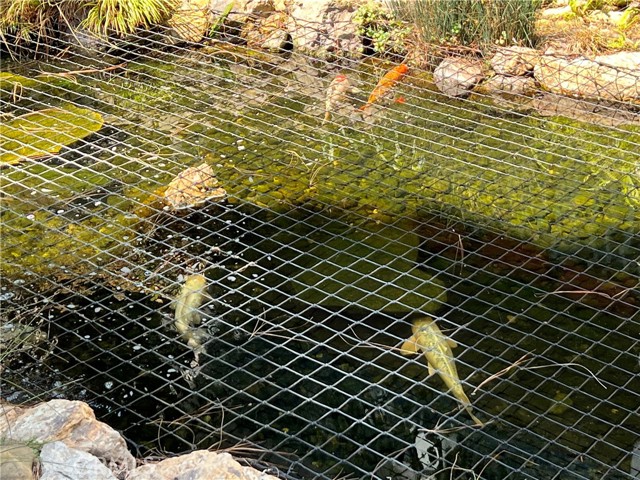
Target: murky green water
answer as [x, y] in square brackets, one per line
[322, 390]
[552, 182]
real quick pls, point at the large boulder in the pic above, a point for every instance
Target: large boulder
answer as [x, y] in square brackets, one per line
[73, 445]
[514, 60]
[456, 76]
[199, 465]
[71, 422]
[191, 20]
[608, 77]
[321, 27]
[59, 462]
[242, 9]
[512, 85]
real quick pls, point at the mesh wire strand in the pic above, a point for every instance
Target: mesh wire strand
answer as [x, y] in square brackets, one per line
[311, 391]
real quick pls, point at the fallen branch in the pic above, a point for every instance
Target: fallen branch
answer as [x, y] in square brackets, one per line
[85, 71]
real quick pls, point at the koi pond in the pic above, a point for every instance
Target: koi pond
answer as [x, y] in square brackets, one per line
[517, 233]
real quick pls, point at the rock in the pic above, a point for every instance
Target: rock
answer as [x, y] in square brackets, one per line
[59, 462]
[276, 41]
[605, 79]
[199, 465]
[72, 422]
[191, 20]
[243, 9]
[321, 27]
[514, 60]
[598, 113]
[510, 85]
[269, 33]
[625, 60]
[76, 447]
[16, 461]
[456, 76]
[338, 32]
[192, 187]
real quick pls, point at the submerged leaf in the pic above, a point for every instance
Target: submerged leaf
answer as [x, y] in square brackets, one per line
[45, 132]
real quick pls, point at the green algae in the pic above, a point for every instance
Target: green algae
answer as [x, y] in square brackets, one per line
[367, 265]
[550, 181]
[45, 132]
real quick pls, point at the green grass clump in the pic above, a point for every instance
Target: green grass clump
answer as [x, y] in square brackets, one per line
[125, 16]
[40, 22]
[477, 23]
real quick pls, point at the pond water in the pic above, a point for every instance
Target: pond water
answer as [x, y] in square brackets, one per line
[505, 209]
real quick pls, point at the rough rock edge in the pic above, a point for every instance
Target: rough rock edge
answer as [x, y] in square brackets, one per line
[72, 426]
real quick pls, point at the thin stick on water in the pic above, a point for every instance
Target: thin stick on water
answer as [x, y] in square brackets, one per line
[501, 372]
[571, 364]
[525, 358]
[620, 294]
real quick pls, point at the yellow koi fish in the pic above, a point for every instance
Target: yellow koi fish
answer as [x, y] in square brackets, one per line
[187, 317]
[437, 349]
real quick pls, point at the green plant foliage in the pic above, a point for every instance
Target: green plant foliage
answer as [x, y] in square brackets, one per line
[39, 21]
[45, 132]
[221, 19]
[476, 23]
[125, 16]
[386, 33]
[629, 17]
[583, 7]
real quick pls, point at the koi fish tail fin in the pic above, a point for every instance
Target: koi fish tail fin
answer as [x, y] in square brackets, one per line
[365, 107]
[475, 419]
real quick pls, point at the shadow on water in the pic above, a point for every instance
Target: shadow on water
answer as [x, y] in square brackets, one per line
[325, 393]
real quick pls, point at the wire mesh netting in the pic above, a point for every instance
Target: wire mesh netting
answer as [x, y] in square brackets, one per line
[231, 247]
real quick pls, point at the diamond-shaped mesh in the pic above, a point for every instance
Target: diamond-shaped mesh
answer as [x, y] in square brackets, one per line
[515, 228]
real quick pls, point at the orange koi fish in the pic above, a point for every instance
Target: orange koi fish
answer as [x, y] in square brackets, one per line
[385, 84]
[336, 93]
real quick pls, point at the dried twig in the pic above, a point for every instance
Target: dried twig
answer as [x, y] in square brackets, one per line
[85, 71]
[525, 358]
[501, 372]
[621, 293]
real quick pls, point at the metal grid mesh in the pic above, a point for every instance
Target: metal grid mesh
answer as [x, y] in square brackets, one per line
[314, 282]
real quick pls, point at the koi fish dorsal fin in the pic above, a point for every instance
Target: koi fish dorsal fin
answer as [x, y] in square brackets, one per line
[409, 347]
[432, 370]
[451, 343]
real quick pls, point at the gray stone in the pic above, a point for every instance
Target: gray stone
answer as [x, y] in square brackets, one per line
[514, 60]
[199, 465]
[59, 462]
[191, 20]
[456, 76]
[72, 422]
[16, 461]
[510, 85]
[320, 27]
[609, 78]
[243, 9]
